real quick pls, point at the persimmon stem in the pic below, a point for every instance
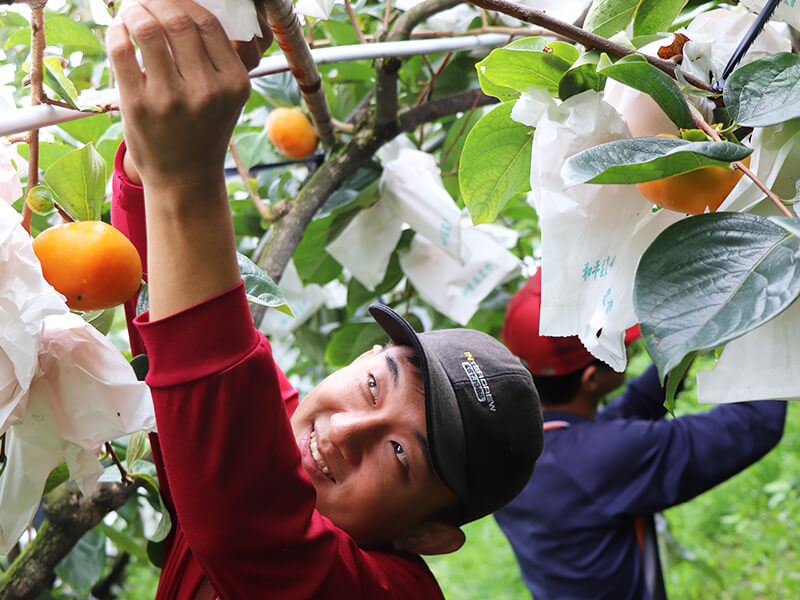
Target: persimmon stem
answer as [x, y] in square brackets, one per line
[714, 135]
[125, 478]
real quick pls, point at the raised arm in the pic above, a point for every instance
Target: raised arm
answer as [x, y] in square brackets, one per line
[179, 108]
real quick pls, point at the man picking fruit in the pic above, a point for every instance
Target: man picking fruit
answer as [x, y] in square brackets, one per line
[334, 496]
[582, 527]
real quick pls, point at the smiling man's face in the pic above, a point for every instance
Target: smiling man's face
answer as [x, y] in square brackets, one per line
[362, 439]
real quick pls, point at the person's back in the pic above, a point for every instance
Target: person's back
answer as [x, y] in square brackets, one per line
[576, 527]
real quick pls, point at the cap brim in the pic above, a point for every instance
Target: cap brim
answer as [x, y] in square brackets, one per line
[445, 427]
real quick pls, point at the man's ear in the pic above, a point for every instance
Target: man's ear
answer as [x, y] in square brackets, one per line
[590, 378]
[430, 538]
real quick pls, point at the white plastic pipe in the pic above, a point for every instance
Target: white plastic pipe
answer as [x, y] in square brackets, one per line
[43, 115]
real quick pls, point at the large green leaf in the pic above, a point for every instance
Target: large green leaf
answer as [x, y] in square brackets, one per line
[656, 16]
[259, 286]
[607, 17]
[78, 181]
[495, 163]
[581, 76]
[505, 73]
[124, 541]
[647, 159]
[711, 278]
[765, 92]
[57, 80]
[84, 563]
[639, 74]
[89, 129]
[350, 340]
[63, 31]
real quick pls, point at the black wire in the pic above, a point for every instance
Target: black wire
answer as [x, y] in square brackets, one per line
[313, 162]
[746, 42]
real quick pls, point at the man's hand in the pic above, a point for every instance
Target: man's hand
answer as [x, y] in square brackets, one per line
[179, 108]
[250, 54]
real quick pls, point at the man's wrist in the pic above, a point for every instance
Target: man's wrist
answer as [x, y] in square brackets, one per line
[129, 168]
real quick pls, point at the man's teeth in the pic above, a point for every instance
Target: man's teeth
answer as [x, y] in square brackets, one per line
[312, 444]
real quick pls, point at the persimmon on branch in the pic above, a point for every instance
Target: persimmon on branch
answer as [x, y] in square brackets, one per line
[714, 135]
[379, 126]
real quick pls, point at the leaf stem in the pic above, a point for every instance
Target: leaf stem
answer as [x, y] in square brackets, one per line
[714, 135]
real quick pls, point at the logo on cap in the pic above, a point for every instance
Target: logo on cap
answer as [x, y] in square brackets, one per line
[478, 381]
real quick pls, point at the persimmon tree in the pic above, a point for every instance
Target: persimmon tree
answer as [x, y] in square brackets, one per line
[463, 109]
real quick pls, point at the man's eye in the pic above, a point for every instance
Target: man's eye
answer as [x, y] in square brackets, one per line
[373, 388]
[401, 454]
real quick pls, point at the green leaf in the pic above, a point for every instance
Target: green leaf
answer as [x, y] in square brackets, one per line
[637, 73]
[674, 379]
[63, 31]
[49, 152]
[765, 92]
[495, 163]
[79, 180]
[56, 80]
[259, 286]
[505, 73]
[138, 446]
[582, 75]
[142, 300]
[656, 16]
[647, 159]
[607, 17]
[165, 524]
[123, 541]
[140, 365]
[102, 320]
[40, 201]
[56, 477]
[84, 563]
[350, 340]
[711, 278]
[89, 129]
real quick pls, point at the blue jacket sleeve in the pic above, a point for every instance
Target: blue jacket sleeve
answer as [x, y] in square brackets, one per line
[643, 398]
[665, 462]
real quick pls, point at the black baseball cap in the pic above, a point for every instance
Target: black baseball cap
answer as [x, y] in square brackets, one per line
[483, 417]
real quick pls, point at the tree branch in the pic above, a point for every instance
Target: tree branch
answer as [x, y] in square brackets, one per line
[69, 516]
[576, 34]
[416, 15]
[37, 96]
[282, 240]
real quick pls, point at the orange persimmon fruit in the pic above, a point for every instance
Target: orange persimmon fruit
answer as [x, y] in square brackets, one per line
[692, 192]
[90, 262]
[291, 132]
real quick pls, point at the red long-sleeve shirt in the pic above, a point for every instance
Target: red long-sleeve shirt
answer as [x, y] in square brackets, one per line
[243, 508]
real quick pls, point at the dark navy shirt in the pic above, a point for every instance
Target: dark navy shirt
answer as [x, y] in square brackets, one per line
[572, 527]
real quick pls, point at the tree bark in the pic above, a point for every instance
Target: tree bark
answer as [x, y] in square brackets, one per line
[69, 515]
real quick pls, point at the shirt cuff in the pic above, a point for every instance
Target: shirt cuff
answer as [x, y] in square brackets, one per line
[200, 341]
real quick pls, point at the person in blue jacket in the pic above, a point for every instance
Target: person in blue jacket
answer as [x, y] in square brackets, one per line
[582, 527]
